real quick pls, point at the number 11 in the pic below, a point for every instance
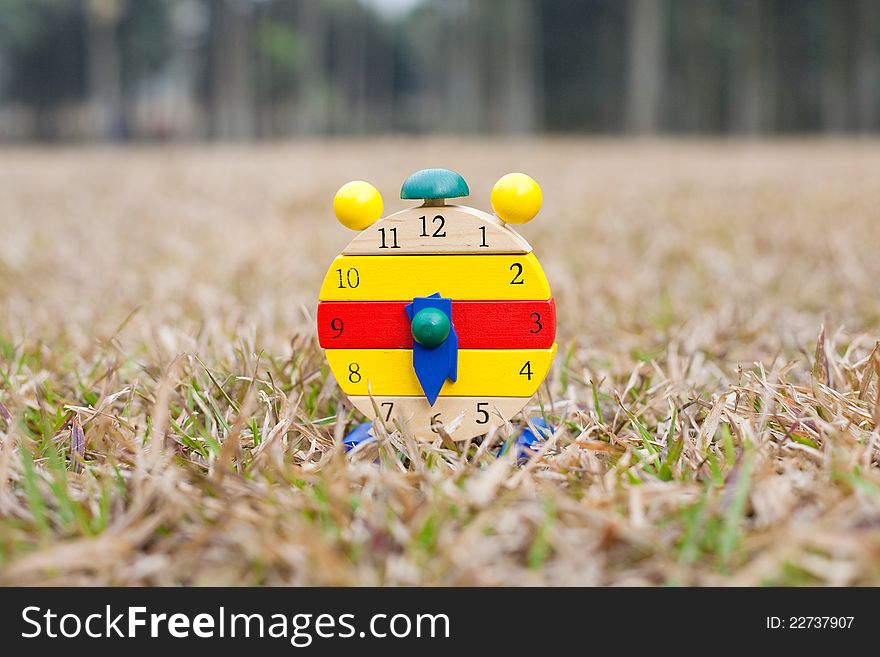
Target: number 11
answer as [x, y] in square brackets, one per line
[393, 232]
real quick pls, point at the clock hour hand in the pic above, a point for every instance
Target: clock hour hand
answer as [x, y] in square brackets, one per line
[435, 343]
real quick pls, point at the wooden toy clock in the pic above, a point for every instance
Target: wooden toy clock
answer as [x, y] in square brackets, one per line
[438, 315]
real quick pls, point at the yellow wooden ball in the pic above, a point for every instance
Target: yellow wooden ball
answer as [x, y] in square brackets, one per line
[516, 198]
[357, 205]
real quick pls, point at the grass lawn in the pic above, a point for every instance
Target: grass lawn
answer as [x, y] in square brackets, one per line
[166, 416]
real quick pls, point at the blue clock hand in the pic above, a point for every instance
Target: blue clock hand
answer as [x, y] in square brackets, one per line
[435, 343]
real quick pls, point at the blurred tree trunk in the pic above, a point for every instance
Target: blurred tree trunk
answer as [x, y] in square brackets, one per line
[867, 66]
[710, 24]
[646, 64]
[382, 94]
[348, 105]
[835, 69]
[464, 91]
[693, 81]
[104, 67]
[312, 105]
[521, 92]
[755, 92]
[188, 22]
[750, 110]
[266, 101]
[232, 89]
[423, 94]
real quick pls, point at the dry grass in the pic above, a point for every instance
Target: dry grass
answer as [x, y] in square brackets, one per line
[171, 419]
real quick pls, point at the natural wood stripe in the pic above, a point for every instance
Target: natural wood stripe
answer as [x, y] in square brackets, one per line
[460, 417]
[438, 229]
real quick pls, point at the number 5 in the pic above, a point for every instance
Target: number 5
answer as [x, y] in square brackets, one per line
[483, 412]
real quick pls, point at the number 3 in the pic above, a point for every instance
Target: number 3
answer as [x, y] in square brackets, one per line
[536, 320]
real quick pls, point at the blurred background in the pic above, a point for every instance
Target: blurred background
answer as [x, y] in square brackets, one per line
[266, 69]
[715, 391]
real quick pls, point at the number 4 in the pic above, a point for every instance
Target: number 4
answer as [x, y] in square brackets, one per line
[526, 370]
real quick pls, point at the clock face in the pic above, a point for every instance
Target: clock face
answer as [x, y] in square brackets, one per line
[470, 290]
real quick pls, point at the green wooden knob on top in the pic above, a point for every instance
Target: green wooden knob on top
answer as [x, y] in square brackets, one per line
[430, 327]
[432, 184]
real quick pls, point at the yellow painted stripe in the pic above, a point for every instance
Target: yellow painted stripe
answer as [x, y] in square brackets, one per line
[459, 277]
[481, 372]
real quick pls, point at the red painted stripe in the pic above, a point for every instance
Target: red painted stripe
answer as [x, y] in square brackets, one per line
[479, 324]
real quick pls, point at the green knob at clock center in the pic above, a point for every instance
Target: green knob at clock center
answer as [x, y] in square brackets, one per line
[430, 327]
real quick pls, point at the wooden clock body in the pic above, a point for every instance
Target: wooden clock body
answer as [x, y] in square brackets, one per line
[502, 313]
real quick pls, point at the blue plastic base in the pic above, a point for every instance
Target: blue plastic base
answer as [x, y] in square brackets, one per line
[361, 434]
[527, 443]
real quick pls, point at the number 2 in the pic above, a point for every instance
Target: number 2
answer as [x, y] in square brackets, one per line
[517, 277]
